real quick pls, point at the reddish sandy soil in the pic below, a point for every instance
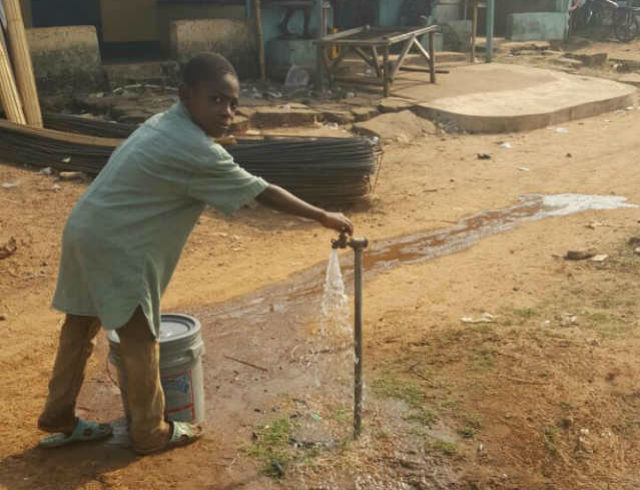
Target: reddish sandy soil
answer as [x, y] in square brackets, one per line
[536, 398]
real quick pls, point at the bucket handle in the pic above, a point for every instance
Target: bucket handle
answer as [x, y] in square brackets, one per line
[196, 351]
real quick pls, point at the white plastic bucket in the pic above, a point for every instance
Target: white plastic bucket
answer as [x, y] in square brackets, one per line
[181, 350]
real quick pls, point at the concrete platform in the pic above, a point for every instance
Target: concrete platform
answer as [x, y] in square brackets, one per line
[496, 98]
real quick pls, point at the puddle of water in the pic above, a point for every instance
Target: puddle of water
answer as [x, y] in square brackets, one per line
[565, 204]
[297, 302]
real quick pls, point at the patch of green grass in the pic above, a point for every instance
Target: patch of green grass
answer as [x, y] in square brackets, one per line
[342, 414]
[450, 403]
[482, 328]
[564, 405]
[471, 427]
[383, 434]
[611, 302]
[524, 313]
[484, 359]
[423, 417]
[419, 431]
[444, 447]
[388, 386]
[467, 432]
[550, 437]
[608, 326]
[271, 446]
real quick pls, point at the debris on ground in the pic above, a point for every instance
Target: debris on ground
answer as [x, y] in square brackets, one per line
[46, 171]
[71, 176]
[594, 224]
[484, 156]
[634, 241]
[484, 318]
[8, 248]
[10, 185]
[579, 254]
[524, 169]
[506, 145]
[599, 258]
[568, 319]
[402, 126]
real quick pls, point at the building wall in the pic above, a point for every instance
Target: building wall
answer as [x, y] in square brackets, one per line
[66, 59]
[168, 13]
[26, 12]
[128, 20]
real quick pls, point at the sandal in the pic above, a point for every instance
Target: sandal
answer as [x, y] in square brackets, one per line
[84, 431]
[182, 434]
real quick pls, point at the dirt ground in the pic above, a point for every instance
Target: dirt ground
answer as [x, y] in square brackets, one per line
[547, 394]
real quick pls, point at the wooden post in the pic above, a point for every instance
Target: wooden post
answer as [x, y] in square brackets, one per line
[403, 54]
[432, 56]
[385, 71]
[22, 60]
[258, 17]
[8, 90]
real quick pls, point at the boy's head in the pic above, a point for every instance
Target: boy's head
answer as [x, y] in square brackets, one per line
[210, 91]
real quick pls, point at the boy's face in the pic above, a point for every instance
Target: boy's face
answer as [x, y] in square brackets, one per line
[212, 104]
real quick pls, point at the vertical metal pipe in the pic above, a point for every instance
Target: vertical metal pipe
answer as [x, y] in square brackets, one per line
[474, 30]
[320, 50]
[491, 12]
[357, 344]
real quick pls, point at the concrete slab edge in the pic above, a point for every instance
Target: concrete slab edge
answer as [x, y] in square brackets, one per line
[523, 122]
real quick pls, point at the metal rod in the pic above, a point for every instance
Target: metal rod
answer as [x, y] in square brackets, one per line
[320, 50]
[474, 31]
[357, 345]
[491, 10]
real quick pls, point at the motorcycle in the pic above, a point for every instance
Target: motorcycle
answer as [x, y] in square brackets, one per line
[585, 14]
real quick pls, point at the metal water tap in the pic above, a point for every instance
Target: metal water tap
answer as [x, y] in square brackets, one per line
[343, 241]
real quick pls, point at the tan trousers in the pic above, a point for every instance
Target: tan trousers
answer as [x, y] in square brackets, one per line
[140, 354]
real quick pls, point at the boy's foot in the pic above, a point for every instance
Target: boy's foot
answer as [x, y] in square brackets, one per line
[182, 434]
[84, 431]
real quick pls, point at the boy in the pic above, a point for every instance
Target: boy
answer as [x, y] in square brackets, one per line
[124, 237]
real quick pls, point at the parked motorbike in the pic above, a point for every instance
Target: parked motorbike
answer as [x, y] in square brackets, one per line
[591, 14]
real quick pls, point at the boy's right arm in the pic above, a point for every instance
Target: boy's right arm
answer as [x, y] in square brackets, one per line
[281, 200]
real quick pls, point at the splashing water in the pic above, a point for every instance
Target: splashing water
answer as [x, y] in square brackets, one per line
[336, 321]
[329, 350]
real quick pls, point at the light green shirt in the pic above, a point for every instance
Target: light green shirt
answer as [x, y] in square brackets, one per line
[124, 236]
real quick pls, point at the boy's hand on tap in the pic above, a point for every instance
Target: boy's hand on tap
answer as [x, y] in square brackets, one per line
[337, 221]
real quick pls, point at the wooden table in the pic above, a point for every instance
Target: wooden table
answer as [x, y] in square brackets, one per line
[372, 42]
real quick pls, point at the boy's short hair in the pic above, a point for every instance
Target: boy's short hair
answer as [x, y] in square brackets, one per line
[205, 67]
